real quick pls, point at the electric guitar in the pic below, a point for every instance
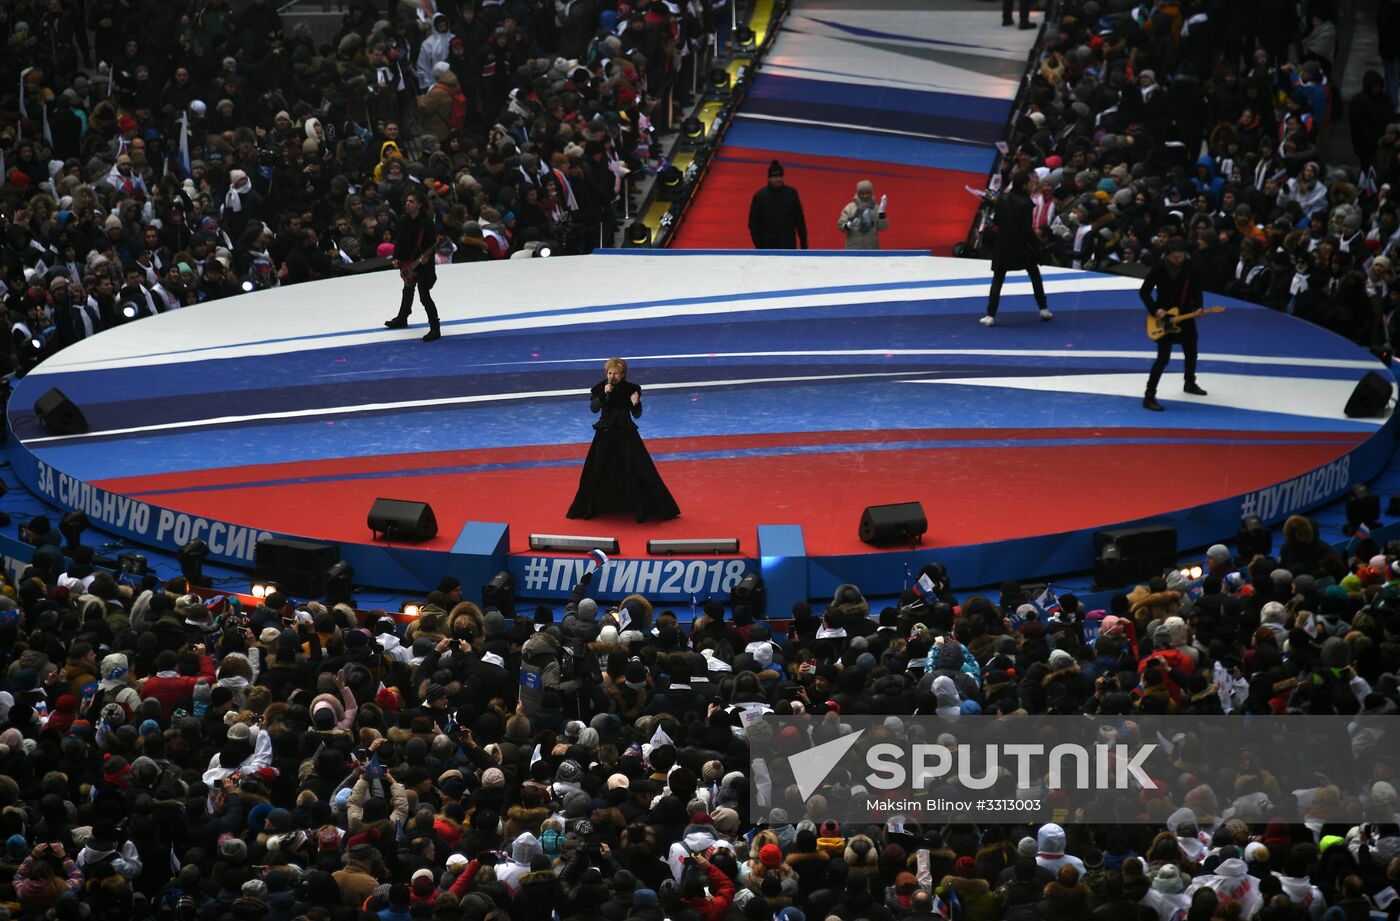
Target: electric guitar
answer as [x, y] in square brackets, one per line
[408, 269]
[1170, 324]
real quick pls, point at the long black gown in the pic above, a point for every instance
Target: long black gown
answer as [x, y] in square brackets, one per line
[618, 475]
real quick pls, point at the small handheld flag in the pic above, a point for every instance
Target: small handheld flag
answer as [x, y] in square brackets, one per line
[599, 557]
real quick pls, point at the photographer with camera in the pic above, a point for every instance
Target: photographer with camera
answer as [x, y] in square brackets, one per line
[45, 876]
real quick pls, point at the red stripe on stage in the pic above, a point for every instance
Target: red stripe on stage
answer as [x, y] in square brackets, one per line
[929, 208]
[972, 495]
[410, 463]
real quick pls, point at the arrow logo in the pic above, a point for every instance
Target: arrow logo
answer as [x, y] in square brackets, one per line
[809, 768]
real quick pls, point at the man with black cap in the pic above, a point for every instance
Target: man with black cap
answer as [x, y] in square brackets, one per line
[1176, 283]
[776, 220]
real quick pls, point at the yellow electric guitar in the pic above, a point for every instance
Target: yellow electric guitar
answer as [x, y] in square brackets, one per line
[1169, 325]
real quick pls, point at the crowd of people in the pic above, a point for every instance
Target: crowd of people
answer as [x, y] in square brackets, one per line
[156, 154]
[169, 755]
[1221, 124]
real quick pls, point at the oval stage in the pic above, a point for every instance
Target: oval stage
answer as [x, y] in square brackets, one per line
[784, 393]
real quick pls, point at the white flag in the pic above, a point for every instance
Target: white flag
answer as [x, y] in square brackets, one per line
[185, 141]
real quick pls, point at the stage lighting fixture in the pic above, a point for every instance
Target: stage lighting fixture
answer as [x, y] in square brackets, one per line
[744, 36]
[1363, 507]
[638, 234]
[1254, 538]
[670, 177]
[543, 251]
[131, 563]
[129, 309]
[1191, 573]
[574, 543]
[693, 545]
[36, 345]
[499, 593]
[247, 286]
[263, 587]
[411, 608]
[72, 526]
[692, 129]
[340, 584]
[191, 557]
[1108, 566]
[719, 79]
[750, 591]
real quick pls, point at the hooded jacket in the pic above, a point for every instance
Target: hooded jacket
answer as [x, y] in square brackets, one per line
[522, 851]
[1050, 850]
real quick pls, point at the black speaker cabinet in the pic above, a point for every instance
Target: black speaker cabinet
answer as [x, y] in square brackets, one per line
[298, 566]
[1370, 397]
[1143, 552]
[61, 415]
[900, 522]
[402, 520]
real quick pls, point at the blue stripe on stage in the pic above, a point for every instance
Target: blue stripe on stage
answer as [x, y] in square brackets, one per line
[780, 88]
[788, 407]
[860, 116]
[517, 361]
[855, 145]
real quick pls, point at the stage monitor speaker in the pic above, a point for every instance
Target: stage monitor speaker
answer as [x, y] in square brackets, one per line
[59, 414]
[297, 566]
[1144, 552]
[899, 522]
[401, 519]
[1371, 396]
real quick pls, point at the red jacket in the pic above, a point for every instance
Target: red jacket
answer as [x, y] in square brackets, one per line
[179, 690]
[716, 907]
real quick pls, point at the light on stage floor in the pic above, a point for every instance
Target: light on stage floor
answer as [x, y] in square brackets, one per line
[572, 542]
[693, 545]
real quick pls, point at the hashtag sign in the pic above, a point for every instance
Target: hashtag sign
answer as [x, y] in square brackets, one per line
[536, 574]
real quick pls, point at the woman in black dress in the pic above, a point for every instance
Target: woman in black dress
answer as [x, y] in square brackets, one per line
[618, 475]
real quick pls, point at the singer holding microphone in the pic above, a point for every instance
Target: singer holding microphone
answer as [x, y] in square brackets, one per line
[618, 474]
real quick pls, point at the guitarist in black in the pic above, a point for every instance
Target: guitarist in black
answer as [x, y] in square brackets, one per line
[415, 241]
[1176, 283]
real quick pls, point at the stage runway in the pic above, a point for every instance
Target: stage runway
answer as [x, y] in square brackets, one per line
[779, 390]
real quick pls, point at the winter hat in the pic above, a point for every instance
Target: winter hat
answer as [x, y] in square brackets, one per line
[1168, 880]
[644, 898]
[569, 772]
[254, 889]
[775, 169]
[233, 850]
[493, 779]
[770, 855]
[726, 820]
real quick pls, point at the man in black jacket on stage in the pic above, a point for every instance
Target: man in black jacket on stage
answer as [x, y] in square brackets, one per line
[776, 220]
[1016, 248]
[414, 242]
[1176, 283]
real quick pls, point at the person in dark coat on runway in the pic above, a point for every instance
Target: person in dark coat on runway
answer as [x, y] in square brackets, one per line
[776, 220]
[1016, 246]
[618, 475]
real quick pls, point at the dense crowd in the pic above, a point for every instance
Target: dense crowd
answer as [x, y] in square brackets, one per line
[1206, 121]
[161, 153]
[167, 755]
